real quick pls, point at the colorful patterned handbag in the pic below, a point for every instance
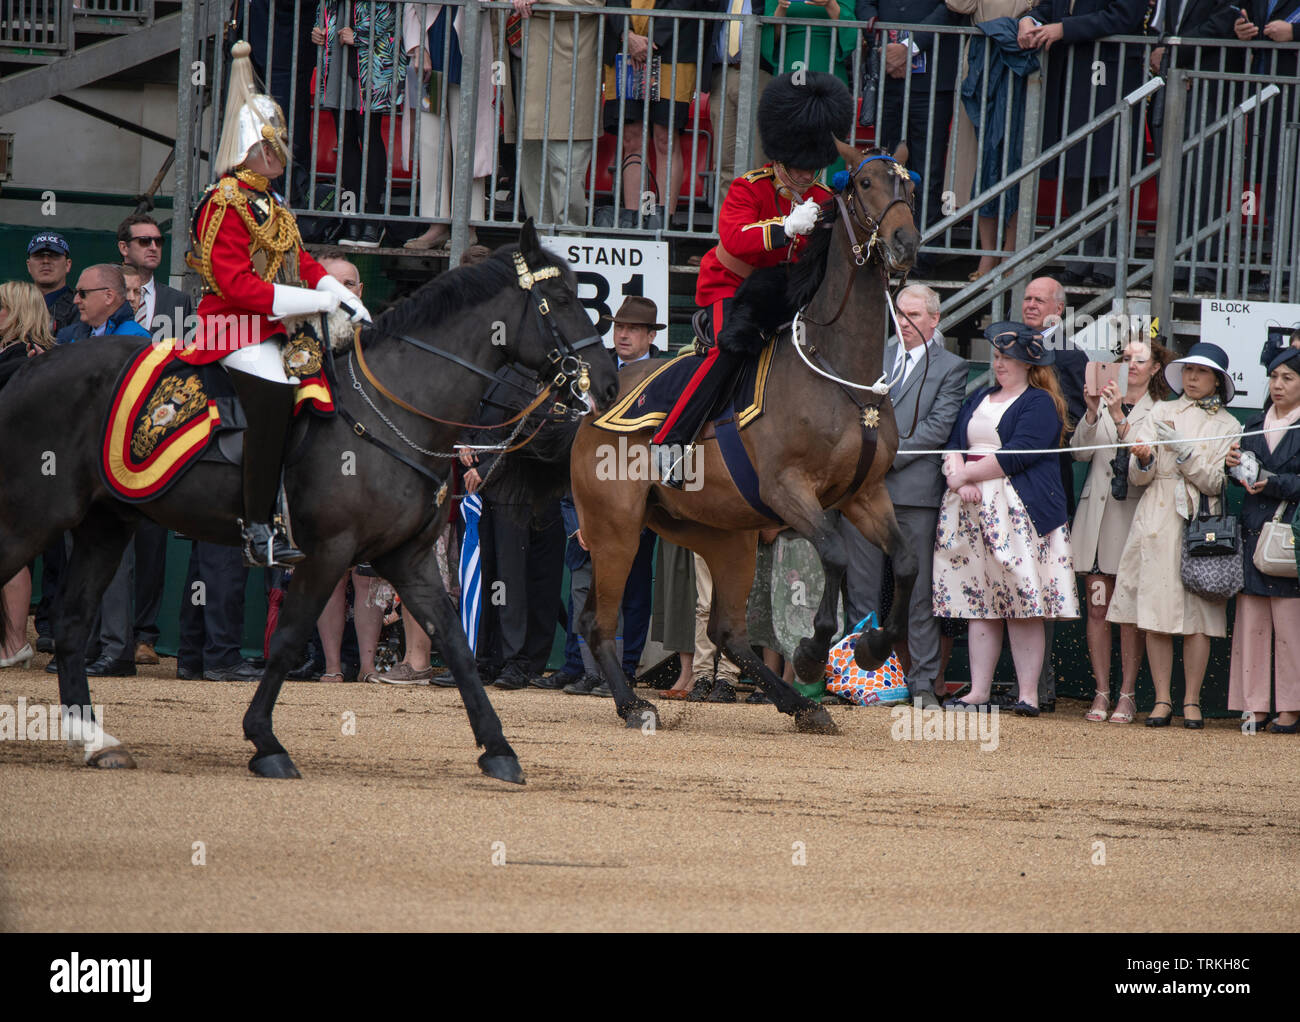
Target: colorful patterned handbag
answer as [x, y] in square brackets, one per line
[882, 687]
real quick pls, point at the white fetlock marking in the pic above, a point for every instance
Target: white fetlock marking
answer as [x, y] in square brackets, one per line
[78, 731]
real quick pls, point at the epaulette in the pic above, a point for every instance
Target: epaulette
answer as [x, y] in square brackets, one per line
[760, 174]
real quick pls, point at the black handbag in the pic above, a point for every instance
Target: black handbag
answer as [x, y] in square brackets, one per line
[870, 77]
[1212, 561]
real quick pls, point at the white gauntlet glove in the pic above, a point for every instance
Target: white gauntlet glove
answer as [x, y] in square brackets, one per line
[1174, 440]
[301, 301]
[346, 298]
[802, 218]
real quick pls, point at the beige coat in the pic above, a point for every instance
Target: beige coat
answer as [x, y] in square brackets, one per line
[964, 153]
[1102, 523]
[1148, 589]
[585, 65]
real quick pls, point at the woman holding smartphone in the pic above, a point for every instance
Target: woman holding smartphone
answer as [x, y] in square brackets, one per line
[1105, 516]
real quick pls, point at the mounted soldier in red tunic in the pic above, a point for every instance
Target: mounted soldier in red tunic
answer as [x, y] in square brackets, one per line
[246, 247]
[764, 222]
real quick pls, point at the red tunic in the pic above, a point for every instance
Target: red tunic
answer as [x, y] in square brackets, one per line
[749, 228]
[238, 313]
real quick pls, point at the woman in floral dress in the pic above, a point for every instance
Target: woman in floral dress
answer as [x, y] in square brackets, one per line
[1002, 548]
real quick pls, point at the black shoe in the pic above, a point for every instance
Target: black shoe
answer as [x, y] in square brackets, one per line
[242, 671]
[512, 679]
[584, 685]
[443, 680]
[266, 547]
[106, 668]
[1047, 706]
[186, 674]
[351, 232]
[52, 667]
[757, 697]
[369, 237]
[44, 644]
[309, 670]
[557, 681]
[1071, 277]
[722, 692]
[1100, 280]
[703, 686]
[603, 690]
[1154, 721]
[1191, 723]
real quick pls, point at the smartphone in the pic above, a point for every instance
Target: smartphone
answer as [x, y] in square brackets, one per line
[1098, 374]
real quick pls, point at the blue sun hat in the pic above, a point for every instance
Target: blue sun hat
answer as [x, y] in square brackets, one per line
[1203, 354]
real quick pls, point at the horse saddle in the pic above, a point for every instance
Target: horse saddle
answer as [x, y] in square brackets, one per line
[167, 414]
[648, 403]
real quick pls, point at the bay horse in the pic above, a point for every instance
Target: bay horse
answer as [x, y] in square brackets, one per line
[440, 348]
[811, 451]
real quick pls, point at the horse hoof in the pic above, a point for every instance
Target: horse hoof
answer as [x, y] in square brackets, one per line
[815, 721]
[867, 658]
[503, 768]
[278, 765]
[114, 758]
[643, 716]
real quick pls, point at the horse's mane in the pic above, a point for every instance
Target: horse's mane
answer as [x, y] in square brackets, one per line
[453, 290]
[807, 274]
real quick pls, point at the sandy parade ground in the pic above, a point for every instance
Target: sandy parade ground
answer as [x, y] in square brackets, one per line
[725, 818]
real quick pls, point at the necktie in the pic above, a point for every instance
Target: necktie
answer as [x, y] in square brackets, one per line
[733, 30]
[903, 366]
[514, 29]
[142, 314]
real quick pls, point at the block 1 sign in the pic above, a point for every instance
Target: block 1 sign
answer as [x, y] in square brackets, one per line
[1241, 327]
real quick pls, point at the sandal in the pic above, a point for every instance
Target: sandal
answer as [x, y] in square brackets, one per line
[1095, 714]
[1193, 724]
[1154, 721]
[336, 677]
[1119, 717]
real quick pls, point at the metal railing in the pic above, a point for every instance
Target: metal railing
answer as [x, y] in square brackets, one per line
[44, 25]
[1082, 182]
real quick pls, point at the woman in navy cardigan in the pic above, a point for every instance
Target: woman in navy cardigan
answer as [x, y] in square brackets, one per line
[1002, 549]
[1268, 607]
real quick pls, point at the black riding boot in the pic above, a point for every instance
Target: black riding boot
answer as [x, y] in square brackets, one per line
[268, 407]
[709, 387]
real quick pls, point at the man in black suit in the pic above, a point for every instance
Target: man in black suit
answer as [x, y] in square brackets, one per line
[212, 617]
[933, 59]
[163, 311]
[1076, 25]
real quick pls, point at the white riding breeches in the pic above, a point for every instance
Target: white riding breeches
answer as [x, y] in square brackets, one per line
[261, 360]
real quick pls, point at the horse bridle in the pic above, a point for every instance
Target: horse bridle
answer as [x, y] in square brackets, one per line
[572, 372]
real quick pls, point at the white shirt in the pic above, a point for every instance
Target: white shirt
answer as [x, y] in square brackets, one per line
[908, 359]
[621, 363]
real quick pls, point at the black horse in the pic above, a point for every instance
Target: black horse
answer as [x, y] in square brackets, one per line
[371, 486]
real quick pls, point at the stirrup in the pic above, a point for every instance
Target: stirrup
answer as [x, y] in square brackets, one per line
[267, 547]
[668, 469]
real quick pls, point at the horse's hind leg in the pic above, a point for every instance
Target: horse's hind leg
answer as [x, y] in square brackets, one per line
[414, 574]
[873, 514]
[617, 542]
[730, 557]
[97, 547]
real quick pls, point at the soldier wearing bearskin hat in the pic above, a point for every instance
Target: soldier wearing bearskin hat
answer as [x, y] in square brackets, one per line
[246, 247]
[765, 221]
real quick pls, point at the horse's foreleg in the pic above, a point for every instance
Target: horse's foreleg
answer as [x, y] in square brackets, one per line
[873, 514]
[97, 547]
[414, 574]
[309, 590]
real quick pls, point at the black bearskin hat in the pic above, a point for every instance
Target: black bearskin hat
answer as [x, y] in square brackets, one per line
[799, 121]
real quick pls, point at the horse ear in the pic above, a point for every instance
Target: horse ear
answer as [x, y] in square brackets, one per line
[848, 154]
[528, 241]
[902, 153]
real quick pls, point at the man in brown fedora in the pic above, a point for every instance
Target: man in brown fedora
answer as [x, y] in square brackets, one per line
[634, 329]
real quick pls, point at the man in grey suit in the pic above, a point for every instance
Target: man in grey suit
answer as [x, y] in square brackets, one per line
[164, 312]
[930, 389]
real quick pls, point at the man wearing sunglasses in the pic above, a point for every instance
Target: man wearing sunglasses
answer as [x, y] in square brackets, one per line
[100, 296]
[162, 308]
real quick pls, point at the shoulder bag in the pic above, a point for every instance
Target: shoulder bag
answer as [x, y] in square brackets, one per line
[1275, 551]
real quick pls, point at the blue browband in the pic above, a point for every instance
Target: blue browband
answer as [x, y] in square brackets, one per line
[841, 179]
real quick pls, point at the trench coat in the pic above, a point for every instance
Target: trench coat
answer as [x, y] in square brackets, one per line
[1148, 588]
[566, 65]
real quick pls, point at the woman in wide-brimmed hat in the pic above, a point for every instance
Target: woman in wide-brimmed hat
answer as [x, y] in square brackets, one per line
[1002, 548]
[1149, 589]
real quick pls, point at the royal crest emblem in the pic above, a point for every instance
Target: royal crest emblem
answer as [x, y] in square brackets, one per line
[176, 401]
[871, 417]
[303, 355]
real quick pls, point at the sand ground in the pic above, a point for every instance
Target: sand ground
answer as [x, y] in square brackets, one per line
[725, 818]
